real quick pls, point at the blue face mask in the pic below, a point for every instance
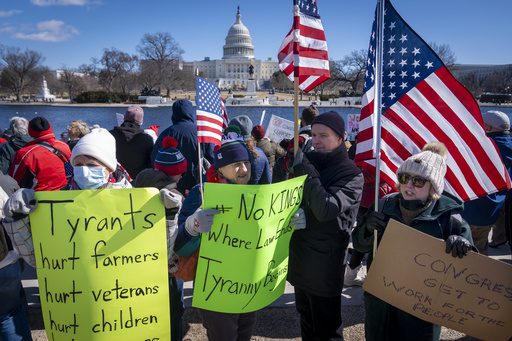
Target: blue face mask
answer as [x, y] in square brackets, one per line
[89, 177]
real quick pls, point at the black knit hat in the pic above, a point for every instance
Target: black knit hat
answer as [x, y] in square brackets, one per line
[39, 126]
[332, 120]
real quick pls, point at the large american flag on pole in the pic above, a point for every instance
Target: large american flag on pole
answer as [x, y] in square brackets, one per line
[210, 111]
[303, 52]
[423, 102]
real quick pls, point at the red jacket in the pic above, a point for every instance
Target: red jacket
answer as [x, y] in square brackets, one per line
[34, 166]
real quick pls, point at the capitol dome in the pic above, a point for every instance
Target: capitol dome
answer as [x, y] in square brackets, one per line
[238, 41]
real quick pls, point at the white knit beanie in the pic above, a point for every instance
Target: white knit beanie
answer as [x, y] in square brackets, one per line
[430, 164]
[99, 144]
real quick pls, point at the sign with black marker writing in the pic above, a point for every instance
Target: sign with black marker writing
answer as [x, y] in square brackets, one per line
[473, 295]
[243, 260]
[101, 259]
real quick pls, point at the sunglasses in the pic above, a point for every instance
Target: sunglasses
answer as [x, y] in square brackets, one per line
[403, 178]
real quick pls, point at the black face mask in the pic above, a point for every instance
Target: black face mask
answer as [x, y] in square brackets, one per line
[412, 205]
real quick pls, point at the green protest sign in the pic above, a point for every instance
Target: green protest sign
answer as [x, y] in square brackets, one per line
[243, 260]
[101, 259]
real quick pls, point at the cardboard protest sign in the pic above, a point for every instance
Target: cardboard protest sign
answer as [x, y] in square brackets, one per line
[243, 260]
[473, 295]
[101, 259]
[279, 129]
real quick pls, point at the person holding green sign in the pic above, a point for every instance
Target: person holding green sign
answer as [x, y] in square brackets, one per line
[232, 165]
[332, 193]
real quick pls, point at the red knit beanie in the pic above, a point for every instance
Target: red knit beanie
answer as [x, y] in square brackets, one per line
[258, 132]
[39, 126]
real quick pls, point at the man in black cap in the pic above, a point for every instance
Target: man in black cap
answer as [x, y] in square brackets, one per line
[332, 193]
[40, 163]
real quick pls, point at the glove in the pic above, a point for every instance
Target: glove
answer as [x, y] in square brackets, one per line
[375, 221]
[170, 199]
[305, 167]
[21, 203]
[458, 246]
[298, 220]
[201, 221]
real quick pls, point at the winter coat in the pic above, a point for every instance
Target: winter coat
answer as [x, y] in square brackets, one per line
[440, 220]
[486, 210]
[9, 149]
[184, 130]
[34, 166]
[133, 147]
[272, 150]
[330, 203]
[260, 169]
[154, 178]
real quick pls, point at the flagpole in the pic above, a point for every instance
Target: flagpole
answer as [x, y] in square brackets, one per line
[295, 115]
[199, 158]
[377, 105]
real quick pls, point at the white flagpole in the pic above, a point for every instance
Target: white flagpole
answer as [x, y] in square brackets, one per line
[199, 158]
[377, 104]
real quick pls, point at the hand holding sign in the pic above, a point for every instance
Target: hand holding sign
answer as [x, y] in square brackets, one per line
[298, 220]
[22, 202]
[458, 246]
[375, 221]
[201, 221]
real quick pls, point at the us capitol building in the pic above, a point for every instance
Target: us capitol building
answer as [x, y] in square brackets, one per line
[232, 71]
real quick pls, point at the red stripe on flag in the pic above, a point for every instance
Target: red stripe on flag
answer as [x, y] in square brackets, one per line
[310, 32]
[441, 136]
[474, 145]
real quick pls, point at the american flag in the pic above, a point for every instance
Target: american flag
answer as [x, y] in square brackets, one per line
[211, 112]
[422, 102]
[303, 52]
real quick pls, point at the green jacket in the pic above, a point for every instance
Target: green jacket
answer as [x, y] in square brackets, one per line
[440, 220]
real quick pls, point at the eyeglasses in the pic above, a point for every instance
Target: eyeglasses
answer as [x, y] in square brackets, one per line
[403, 178]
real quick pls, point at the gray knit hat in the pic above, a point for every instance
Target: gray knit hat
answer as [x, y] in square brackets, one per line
[430, 164]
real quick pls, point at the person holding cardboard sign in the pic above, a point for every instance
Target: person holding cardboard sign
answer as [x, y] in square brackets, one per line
[422, 205]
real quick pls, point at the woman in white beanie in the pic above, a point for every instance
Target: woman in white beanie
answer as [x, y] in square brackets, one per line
[421, 204]
[94, 163]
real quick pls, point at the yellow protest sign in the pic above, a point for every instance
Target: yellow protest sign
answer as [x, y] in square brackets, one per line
[411, 271]
[101, 259]
[243, 260]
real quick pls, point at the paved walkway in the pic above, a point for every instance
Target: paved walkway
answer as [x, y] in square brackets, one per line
[279, 321]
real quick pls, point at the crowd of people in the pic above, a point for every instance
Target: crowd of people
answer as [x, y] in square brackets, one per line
[334, 228]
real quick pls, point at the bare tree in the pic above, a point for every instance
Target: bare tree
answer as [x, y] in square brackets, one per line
[72, 83]
[350, 71]
[280, 81]
[115, 64]
[163, 55]
[19, 69]
[445, 52]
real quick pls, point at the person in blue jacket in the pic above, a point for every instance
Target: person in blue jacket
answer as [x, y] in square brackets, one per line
[184, 130]
[493, 211]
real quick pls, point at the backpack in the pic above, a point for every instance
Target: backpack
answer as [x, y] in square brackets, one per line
[68, 167]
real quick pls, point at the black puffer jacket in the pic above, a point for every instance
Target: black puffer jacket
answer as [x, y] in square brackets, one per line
[133, 147]
[330, 202]
[9, 148]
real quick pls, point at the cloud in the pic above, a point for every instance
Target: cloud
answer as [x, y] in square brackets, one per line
[60, 2]
[6, 29]
[49, 31]
[5, 14]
